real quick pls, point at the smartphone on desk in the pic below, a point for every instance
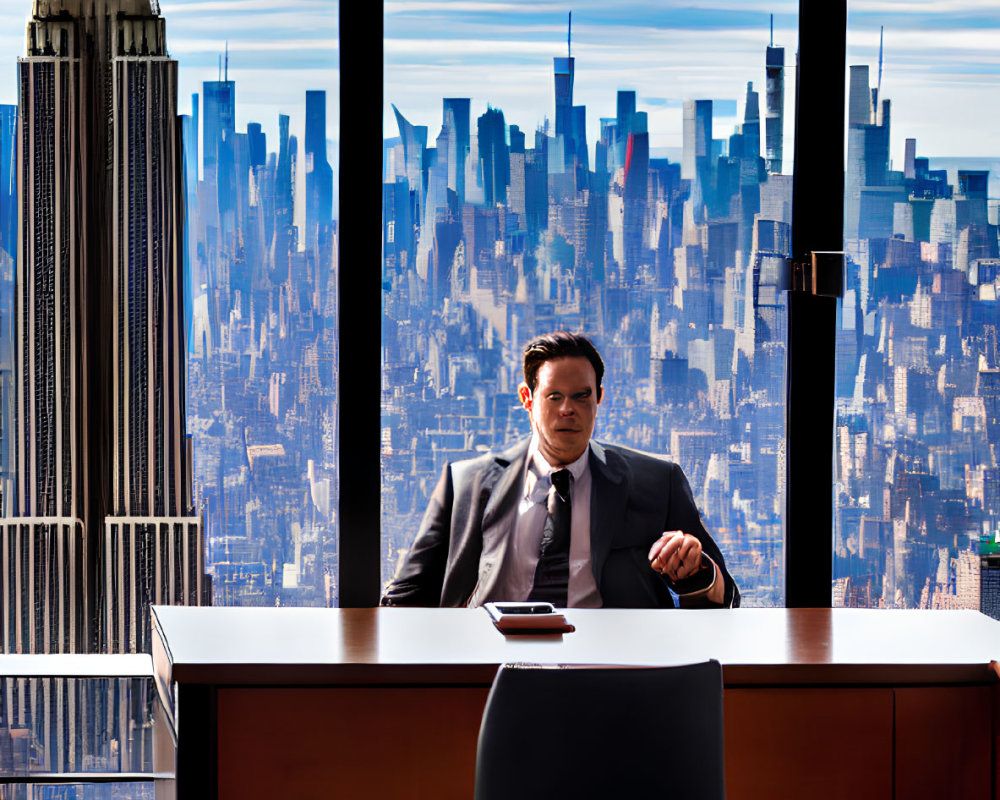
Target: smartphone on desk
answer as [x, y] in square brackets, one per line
[510, 617]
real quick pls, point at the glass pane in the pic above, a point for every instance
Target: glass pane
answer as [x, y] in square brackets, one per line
[624, 174]
[83, 738]
[918, 386]
[134, 481]
[81, 791]
[262, 248]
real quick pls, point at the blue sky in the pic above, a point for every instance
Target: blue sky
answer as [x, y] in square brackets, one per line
[277, 50]
[941, 70]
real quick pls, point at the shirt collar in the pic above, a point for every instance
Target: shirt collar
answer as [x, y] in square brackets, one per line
[537, 468]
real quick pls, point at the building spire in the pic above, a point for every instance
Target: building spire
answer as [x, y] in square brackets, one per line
[227, 61]
[881, 30]
[772, 30]
[569, 37]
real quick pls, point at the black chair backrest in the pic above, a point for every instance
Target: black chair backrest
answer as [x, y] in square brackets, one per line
[602, 732]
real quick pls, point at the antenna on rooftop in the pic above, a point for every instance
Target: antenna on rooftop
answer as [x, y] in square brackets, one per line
[227, 60]
[772, 30]
[878, 87]
[881, 30]
[569, 36]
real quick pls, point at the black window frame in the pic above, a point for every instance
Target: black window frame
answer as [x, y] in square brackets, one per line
[817, 225]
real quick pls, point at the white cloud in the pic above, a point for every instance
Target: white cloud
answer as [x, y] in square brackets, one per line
[903, 7]
[419, 6]
[452, 48]
[251, 45]
[175, 8]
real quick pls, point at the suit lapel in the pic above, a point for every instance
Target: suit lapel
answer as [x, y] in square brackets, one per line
[608, 499]
[504, 493]
[497, 522]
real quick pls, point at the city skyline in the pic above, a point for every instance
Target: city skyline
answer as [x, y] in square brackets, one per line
[672, 266]
[277, 51]
[496, 230]
[296, 40]
[936, 56]
[99, 496]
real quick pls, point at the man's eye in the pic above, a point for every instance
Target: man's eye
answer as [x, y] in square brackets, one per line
[555, 397]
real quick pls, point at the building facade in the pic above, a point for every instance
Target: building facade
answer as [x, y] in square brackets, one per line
[100, 444]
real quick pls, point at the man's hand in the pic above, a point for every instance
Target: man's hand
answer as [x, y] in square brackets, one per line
[677, 555]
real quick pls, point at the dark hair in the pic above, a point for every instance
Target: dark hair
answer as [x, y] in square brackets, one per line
[559, 344]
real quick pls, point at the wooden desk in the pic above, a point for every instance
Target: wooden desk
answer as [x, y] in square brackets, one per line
[386, 702]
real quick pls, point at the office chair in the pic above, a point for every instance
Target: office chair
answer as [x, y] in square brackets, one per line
[552, 732]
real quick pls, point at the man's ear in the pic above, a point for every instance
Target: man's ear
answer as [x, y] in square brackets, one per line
[600, 394]
[524, 395]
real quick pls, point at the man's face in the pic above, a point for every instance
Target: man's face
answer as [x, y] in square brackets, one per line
[563, 407]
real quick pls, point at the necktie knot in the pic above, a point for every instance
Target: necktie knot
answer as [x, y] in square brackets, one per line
[560, 480]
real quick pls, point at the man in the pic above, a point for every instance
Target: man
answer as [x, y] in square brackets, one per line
[559, 517]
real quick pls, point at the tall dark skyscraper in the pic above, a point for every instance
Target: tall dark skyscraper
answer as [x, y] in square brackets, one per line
[100, 523]
[319, 174]
[458, 107]
[219, 131]
[571, 121]
[494, 156]
[563, 70]
[219, 125]
[774, 112]
[625, 110]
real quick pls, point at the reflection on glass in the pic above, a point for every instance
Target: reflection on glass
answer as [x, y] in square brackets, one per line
[82, 738]
[79, 791]
[51, 726]
[918, 386]
[638, 227]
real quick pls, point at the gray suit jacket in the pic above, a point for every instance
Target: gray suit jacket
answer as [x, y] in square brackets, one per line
[635, 497]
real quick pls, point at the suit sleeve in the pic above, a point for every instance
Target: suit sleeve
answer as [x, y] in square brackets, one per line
[420, 577]
[683, 516]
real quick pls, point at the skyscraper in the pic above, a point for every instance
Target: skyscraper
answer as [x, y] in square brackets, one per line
[774, 113]
[219, 124]
[219, 129]
[494, 156]
[100, 523]
[870, 189]
[319, 174]
[458, 108]
[696, 156]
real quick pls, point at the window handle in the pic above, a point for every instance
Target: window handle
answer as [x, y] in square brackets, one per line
[822, 274]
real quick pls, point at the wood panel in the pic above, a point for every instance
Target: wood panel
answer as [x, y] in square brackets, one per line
[943, 742]
[815, 743]
[348, 742]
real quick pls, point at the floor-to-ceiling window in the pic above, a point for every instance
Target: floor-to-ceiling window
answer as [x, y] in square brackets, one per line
[917, 380]
[626, 173]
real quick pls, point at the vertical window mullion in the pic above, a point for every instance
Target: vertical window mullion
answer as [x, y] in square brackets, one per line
[817, 225]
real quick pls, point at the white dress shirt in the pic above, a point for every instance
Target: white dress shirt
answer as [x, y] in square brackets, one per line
[517, 573]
